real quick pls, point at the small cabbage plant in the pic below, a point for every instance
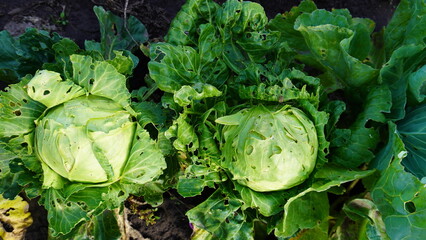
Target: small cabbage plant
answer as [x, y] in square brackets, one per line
[267, 149]
[79, 135]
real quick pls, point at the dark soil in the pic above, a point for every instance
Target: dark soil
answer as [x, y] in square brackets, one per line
[80, 24]
[168, 221]
[38, 230]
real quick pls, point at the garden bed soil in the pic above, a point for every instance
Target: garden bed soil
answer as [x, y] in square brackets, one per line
[80, 23]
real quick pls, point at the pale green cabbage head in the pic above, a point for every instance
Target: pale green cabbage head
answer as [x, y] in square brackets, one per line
[85, 139]
[269, 150]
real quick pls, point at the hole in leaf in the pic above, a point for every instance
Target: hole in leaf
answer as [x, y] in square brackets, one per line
[7, 211]
[276, 150]
[92, 66]
[46, 92]
[69, 90]
[249, 150]
[410, 207]
[25, 100]
[7, 227]
[255, 134]
[326, 150]
[91, 81]
[12, 104]
[24, 144]
[17, 113]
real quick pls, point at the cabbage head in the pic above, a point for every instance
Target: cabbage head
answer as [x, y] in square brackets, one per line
[267, 149]
[75, 137]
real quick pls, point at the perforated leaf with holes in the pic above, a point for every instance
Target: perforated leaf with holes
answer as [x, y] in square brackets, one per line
[15, 214]
[310, 208]
[100, 78]
[50, 89]
[399, 195]
[17, 110]
[145, 160]
[63, 215]
[339, 43]
[220, 216]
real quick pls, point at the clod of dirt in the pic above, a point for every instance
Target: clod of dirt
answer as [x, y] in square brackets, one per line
[17, 26]
[170, 222]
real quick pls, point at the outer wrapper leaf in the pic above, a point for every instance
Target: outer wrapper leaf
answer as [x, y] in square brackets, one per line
[186, 94]
[303, 210]
[103, 226]
[284, 23]
[117, 34]
[49, 89]
[399, 195]
[268, 203]
[407, 26]
[355, 149]
[196, 179]
[396, 73]
[186, 138]
[101, 79]
[145, 162]
[63, 216]
[17, 110]
[172, 67]
[193, 13]
[19, 167]
[25, 54]
[332, 39]
[204, 171]
[366, 212]
[417, 85]
[219, 215]
[412, 130]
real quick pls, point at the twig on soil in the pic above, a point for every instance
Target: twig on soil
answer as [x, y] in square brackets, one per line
[126, 4]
